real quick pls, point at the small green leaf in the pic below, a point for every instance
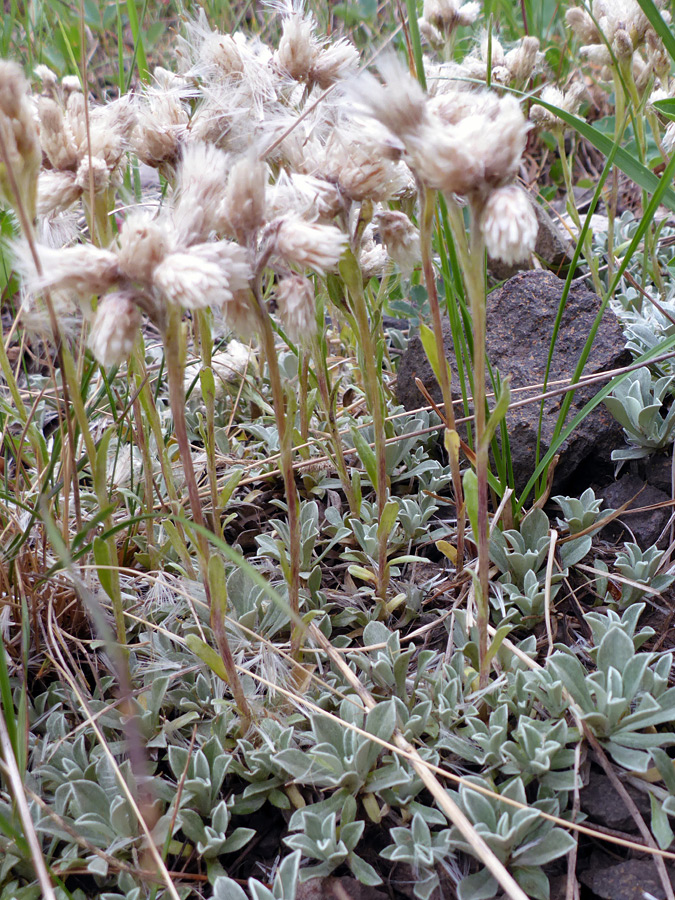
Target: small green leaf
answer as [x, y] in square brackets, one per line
[366, 455]
[499, 411]
[207, 655]
[387, 519]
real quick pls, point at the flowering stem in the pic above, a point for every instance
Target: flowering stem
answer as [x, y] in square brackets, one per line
[286, 459]
[351, 273]
[333, 430]
[428, 209]
[174, 354]
[474, 277]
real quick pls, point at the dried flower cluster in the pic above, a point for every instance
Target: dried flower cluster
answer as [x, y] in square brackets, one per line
[618, 30]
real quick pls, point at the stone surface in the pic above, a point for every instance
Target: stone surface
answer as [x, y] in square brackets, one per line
[646, 526]
[629, 880]
[332, 888]
[602, 803]
[521, 315]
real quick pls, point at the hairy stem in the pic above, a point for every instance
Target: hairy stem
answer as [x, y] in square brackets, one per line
[475, 283]
[173, 349]
[429, 206]
[285, 429]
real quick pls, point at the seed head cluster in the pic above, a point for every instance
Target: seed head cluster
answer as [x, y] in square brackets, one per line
[279, 158]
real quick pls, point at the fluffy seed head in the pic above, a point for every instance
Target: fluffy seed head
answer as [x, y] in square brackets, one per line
[582, 25]
[56, 192]
[482, 150]
[308, 245]
[297, 47]
[56, 136]
[243, 206]
[335, 62]
[100, 175]
[401, 239]
[200, 184]
[207, 275]
[295, 299]
[20, 139]
[509, 224]
[114, 329]
[143, 244]
[85, 270]
[398, 102]
[522, 60]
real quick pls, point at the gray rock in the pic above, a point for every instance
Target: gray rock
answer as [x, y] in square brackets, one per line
[629, 880]
[521, 315]
[647, 525]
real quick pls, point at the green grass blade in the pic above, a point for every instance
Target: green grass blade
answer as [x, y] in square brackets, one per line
[139, 57]
[638, 173]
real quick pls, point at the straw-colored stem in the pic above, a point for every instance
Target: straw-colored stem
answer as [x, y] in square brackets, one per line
[333, 430]
[374, 396]
[285, 429]
[428, 209]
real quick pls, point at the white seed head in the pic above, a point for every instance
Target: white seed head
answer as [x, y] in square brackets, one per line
[307, 244]
[373, 257]
[334, 63]
[97, 174]
[305, 195]
[56, 137]
[483, 148]
[85, 270]
[243, 206]
[224, 53]
[582, 25]
[114, 329]
[297, 46]
[522, 60]
[201, 181]
[295, 300]
[207, 275]
[143, 244]
[20, 138]
[162, 122]
[56, 191]
[401, 239]
[71, 83]
[668, 141]
[360, 168]
[446, 15]
[398, 102]
[509, 224]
